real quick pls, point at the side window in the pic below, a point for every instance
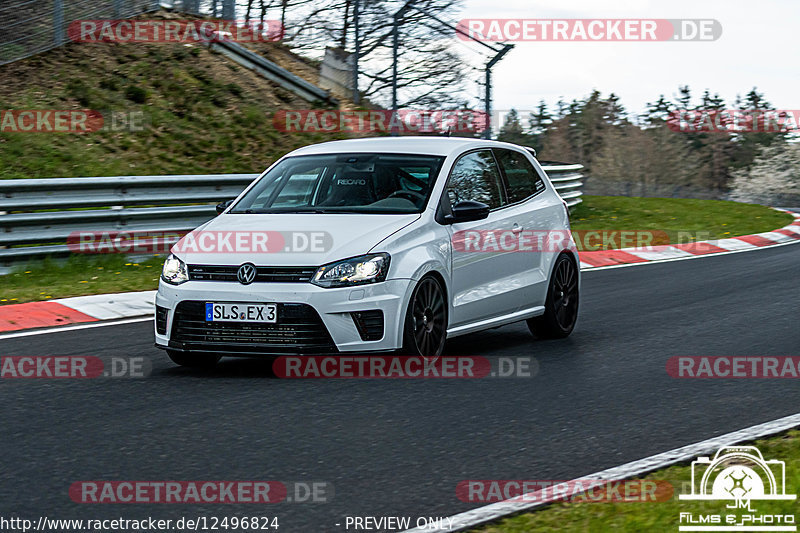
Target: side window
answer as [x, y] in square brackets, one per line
[523, 180]
[475, 177]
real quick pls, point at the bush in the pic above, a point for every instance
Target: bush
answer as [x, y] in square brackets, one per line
[234, 89]
[136, 94]
[80, 91]
[109, 84]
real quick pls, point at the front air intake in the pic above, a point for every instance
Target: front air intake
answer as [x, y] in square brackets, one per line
[369, 324]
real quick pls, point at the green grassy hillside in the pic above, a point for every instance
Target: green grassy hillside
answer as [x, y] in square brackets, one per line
[202, 112]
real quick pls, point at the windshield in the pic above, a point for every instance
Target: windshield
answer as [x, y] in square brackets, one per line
[344, 183]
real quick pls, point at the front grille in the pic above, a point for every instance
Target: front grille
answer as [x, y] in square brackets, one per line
[264, 274]
[369, 324]
[299, 330]
[161, 320]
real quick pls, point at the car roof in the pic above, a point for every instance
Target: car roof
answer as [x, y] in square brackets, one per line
[428, 145]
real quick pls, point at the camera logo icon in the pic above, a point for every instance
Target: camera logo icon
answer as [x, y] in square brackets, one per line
[738, 473]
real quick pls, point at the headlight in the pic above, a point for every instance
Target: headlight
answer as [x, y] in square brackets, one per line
[174, 271]
[356, 271]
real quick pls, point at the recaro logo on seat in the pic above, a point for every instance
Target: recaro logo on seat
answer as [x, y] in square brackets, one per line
[351, 182]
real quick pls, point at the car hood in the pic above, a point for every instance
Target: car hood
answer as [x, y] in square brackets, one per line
[287, 239]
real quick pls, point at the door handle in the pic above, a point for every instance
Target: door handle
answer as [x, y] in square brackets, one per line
[516, 228]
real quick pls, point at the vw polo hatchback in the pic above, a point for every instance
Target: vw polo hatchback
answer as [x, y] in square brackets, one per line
[373, 245]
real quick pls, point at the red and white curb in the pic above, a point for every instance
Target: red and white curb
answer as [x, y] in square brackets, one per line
[76, 310]
[672, 252]
[99, 307]
[531, 501]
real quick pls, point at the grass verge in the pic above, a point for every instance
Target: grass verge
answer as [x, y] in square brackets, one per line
[78, 276]
[657, 516]
[708, 219]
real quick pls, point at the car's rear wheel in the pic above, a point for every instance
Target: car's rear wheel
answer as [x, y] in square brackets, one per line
[561, 304]
[194, 359]
[425, 329]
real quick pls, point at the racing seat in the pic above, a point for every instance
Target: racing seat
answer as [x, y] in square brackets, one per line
[350, 189]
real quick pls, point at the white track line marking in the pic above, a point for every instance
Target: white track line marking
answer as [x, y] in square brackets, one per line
[495, 511]
[656, 255]
[771, 235]
[733, 244]
[112, 306]
[691, 257]
[88, 325]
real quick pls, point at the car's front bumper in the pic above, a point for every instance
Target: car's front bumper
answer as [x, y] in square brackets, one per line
[334, 307]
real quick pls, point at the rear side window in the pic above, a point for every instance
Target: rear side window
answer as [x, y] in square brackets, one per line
[475, 177]
[523, 180]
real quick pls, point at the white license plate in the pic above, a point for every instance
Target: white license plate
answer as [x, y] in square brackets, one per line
[239, 312]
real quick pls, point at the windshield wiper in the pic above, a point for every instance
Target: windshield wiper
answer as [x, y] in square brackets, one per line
[279, 211]
[316, 211]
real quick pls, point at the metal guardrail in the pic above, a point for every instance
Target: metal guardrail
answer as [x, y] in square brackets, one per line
[568, 181]
[271, 71]
[37, 216]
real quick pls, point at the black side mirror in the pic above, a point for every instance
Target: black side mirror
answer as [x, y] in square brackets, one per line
[222, 206]
[467, 211]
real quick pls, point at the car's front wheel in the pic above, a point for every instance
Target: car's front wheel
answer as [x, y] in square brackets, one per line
[194, 359]
[425, 329]
[561, 304]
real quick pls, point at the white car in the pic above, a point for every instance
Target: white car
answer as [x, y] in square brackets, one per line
[373, 245]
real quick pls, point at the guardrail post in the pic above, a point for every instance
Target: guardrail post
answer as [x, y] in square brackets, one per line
[58, 23]
[229, 9]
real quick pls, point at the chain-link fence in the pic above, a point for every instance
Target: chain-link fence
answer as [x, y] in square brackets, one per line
[225, 9]
[28, 27]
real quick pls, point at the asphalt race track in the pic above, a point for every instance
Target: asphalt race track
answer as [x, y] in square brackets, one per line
[399, 447]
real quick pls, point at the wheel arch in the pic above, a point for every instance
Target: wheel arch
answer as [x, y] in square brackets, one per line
[573, 256]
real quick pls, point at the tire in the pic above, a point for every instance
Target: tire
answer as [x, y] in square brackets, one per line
[561, 304]
[194, 359]
[425, 327]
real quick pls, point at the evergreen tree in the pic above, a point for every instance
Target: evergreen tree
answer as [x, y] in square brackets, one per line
[512, 130]
[539, 121]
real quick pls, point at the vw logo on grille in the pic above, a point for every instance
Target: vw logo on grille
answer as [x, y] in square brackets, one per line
[246, 274]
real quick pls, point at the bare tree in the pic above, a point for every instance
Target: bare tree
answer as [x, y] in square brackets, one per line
[430, 71]
[773, 178]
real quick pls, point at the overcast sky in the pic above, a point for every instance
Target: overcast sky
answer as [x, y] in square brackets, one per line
[759, 47]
